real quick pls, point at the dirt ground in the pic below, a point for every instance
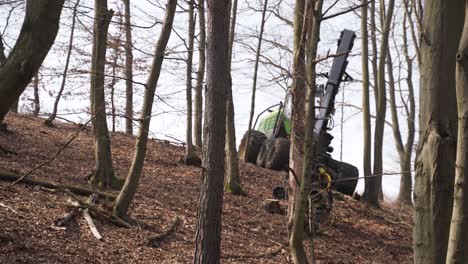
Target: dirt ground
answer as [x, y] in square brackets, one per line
[357, 234]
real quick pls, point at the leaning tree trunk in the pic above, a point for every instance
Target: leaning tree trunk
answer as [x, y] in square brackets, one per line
[435, 157]
[53, 115]
[457, 251]
[37, 35]
[128, 70]
[197, 129]
[298, 107]
[125, 197]
[254, 82]
[208, 228]
[312, 25]
[190, 155]
[103, 174]
[232, 185]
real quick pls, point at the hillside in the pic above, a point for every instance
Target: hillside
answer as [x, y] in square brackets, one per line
[250, 235]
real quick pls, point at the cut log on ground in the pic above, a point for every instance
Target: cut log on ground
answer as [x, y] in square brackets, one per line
[156, 241]
[74, 189]
[272, 206]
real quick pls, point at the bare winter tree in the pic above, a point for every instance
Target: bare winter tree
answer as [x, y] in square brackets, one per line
[208, 228]
[435, 156]
[198, 115]
[128, 70]
[103, 174]
[125, 197]
[37, 35]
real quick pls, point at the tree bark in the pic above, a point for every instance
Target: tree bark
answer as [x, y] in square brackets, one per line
[254, 83]
[208, 228]
[128, 70]
[37, 104]
[37, 35]
[197, 129]
[53, 115]
[123, 201]
[190, 155]
[312, 25]
[457, 251]
[435, 157]
[103, 175]
[233, 184]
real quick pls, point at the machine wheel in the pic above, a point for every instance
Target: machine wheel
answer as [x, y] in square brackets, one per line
[347, 175]
[277, 157]
[262, 154]
[255, 143]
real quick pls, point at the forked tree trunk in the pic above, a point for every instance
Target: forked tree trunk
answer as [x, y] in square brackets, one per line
[373, 185]
[103, 175]
[53, 115]
[457, 251]
[37, 35]
[435, 157]
[312, 25]
[125, 197]
[208, 228]
[254, 82]
[128, 70]
[367, 162]
[298, 106]
[190, 155]
[232, 185]
[198, 116]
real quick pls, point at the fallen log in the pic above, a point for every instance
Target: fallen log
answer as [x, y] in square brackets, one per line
[92, 200]
[62, 221]
[156, 241]
[83, 191]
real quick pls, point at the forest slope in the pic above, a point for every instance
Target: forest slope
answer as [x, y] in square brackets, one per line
[250, 235]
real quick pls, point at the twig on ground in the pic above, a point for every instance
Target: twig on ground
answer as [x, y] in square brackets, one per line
[156, 241]
[257, 256]
[8, 207]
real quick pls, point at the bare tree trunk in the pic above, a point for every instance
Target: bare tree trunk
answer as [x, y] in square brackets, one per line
[53, 115]
[103, 174]
[254, 83]
[37, 104]
[232, 185]
[125, 197]
[190, 155]
[208, 228]
[2, 52]
[128, 70]
[312, 25]
[457, 251]
[197, 129]
[367, 162]
[373, 186]
[37, 35]
[435, 157]
[113, 82]
[298, 107]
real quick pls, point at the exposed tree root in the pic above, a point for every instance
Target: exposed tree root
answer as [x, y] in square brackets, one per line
[156, 241]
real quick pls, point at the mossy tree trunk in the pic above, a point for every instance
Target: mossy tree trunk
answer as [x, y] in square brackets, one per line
[208, 227]
[125, 197]
[435, 156]
[103, 175]
[457, 251]
[36, 37]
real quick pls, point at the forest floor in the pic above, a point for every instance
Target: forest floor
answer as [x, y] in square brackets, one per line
[357, 233]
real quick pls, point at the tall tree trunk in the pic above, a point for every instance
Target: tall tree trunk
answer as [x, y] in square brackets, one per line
[103, 174]
[457, 251]
[208, 228]
[367, 162]
[298, 106]
[114, 81]
[190, 155]
[53, 115]
[37, 35]
[37, 104]
[435, 157]
[128, 70]
[125, 197]
[254, 83]
[232, 185]
[373, 186]
[312, 25]
[197, 129]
